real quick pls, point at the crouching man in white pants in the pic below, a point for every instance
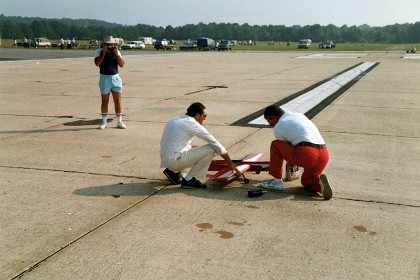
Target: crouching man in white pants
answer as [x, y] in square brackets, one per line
[178, 156]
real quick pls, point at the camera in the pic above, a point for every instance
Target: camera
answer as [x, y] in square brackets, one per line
[109, 49]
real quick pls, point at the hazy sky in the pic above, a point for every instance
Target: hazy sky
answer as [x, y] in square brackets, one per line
[254, 12]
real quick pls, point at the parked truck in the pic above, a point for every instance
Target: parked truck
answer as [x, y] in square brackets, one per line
[205, 44]
[304, 44]
[163, 45]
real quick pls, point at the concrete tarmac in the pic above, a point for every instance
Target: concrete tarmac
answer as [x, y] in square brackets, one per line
[82, 203]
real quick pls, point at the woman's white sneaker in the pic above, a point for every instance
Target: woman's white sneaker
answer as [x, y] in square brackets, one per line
[121, 125]
[102, 125]
[275, 185]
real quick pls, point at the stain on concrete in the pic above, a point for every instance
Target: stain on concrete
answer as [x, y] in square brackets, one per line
[364, 229]
[360, 228]
[207, 226]
[237, 223]
[204, 226]
[225, 234]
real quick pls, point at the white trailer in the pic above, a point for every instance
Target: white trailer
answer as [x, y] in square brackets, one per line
[146, 40]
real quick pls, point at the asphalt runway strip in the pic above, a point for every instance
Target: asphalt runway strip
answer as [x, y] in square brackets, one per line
[315, 98]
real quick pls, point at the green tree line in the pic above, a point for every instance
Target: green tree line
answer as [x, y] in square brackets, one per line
[19, 27]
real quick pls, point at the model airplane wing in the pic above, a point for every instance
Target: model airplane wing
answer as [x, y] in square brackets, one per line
[225, 174]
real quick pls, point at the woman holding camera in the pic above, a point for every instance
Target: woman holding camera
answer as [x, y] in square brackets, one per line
[108, 58]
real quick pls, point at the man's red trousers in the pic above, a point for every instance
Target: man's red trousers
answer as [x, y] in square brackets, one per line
[313, 160]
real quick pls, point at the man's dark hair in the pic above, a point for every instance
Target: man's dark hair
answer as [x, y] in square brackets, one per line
[273, 111]
[195, 108]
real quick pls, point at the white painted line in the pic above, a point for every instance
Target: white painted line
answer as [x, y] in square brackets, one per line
[411, 56]
[310, 99]
[333, 55]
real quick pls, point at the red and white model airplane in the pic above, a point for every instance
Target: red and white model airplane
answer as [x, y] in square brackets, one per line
[248, 163]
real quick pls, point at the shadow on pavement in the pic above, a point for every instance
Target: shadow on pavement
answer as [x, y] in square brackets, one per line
[216, 192]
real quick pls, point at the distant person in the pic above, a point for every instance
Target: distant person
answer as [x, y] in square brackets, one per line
[26, 43]
[178, 156]
[299, 142]
[74, 43]
[108, 58]
[62, 43]
[68, 44]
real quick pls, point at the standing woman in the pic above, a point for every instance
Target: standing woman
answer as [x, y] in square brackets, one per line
[108, 58]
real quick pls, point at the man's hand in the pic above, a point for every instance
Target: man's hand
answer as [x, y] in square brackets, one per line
[104, 49]
[231, 164]
[238, 173]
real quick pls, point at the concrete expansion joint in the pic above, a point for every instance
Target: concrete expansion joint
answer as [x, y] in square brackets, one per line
[207, 88]
[372, 134]
[75, 172]
[376, 201]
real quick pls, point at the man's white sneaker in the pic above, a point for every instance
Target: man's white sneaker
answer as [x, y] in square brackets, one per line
[102, 125]
[325, 187]
[121, 125]
[275, 185]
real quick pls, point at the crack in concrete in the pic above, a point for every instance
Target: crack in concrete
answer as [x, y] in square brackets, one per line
[206, 89]
[37, 116]
[76, 172]
[371, 134]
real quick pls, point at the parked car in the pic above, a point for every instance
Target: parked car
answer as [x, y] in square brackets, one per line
[329, 44]
[41, 43]
[224, 45]
[163, 45]
[188, 46]
[25, 43]
[93, 44]
[304, 44]
[133, 45]
[206, 44]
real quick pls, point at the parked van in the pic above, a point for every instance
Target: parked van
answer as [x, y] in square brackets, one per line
[146, 40]
[119, 41]
[205, 44]
[304, 44]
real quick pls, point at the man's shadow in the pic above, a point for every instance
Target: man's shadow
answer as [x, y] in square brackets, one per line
[216, 191]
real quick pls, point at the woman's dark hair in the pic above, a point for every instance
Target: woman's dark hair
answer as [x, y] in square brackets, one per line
[195, 108]
[273, 111]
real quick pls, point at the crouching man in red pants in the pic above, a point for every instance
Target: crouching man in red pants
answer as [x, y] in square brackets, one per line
[299, 142]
